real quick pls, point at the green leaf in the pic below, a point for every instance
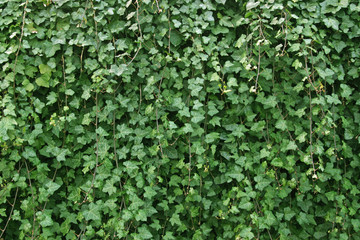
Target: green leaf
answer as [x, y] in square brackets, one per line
[289, 213]
[149, 109]
[333, 99]
[270, 102]
[270, 219]
[28, 85]
[346, 90]
[246, 233]
[258, 126]
[261, 182]
[123, 131]
[175, 220]
[101, 132]
[109, 187]
[332, 23]
[264, 153]
[236, 174]
[356, 224]
[252, 4]
[339, 46]
[131, 167]
[187, 128]
[50, 49]
[52, 187]
[6, 124]
[291, 146]
[240, 42]
[246, 205]
[69, 92]
[149, 192]
[169, 236]
[236, 130]
[295, 48]
[92, 213]
[42, 82]
[211, 137]
[45, 69]
[61, 154]
[344, 3]
[52, 98]
[324, 74]
[281, 124]
[46, 219]
[118, 70]
[144, 233]
[141, 216]
[175, 38]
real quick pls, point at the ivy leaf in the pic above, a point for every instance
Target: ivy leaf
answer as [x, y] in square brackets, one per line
[131, 168]
[101, 132]
[211, 137]
[258, 126]
[92, 213]
[270, 219]
[144, 233]
[149, 192]
[52, 98]
[356, 224]
[246, 233]
[333, 99]
[50, 49]
[252, 4]
[289, 213]
[324, 74]
[176, 38]
[281, 124]
[175, 219]
[109, 187]
[123, 131]
[187, 128]
[236, 174]
[246, 205]
[237, 130]
[6, 124]
[339, 46]
[52, 187]
[61, 154]
[46, 219]
[42, 82]
[261, 182]
[346, 90]
[45, 69]
[117, 70]
[332, 23]
[28, 85]
[270, 102]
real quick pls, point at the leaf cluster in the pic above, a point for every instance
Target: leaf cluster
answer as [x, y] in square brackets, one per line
[222, 119]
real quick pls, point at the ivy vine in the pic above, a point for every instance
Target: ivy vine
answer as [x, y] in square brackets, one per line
[164, 119]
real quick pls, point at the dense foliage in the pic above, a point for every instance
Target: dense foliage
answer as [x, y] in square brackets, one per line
[179, 119]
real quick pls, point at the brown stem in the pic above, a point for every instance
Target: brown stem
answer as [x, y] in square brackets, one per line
[11, 212]
[189, 176]
[137, 18]
[169, 31]
[19, 47]
[311, 131]
[33, 198]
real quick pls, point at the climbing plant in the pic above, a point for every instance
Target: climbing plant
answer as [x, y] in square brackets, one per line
[164, 119]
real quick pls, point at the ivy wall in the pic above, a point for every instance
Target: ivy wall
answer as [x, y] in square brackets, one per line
[179, 119]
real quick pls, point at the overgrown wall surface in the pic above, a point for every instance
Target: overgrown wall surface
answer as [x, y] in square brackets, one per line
[164, 119]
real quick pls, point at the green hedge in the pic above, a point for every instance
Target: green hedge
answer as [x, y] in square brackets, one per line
[179, 119]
